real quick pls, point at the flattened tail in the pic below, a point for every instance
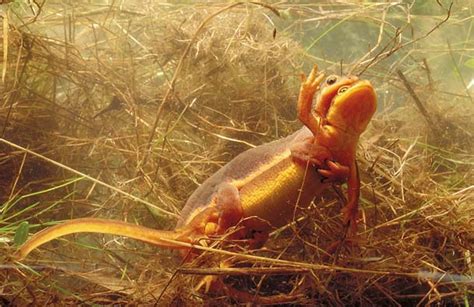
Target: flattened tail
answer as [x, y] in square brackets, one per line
[162, 238]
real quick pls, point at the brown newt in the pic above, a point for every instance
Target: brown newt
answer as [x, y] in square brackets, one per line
[262, 187]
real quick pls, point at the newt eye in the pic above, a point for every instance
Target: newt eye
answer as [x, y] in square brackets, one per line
[331, 80]
[342, 89]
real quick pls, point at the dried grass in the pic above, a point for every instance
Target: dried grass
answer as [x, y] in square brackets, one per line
[82, 87]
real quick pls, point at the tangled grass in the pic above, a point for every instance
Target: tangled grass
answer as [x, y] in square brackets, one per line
[121, 111]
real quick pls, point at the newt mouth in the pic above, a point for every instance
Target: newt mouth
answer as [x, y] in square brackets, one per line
[360, 97]
[362, 87]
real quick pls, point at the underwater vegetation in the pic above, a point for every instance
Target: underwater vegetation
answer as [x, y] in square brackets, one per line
[120, 111]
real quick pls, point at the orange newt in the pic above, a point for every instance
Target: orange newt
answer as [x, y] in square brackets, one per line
[261, 188]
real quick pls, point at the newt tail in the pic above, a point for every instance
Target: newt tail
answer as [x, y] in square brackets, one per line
[162, 238]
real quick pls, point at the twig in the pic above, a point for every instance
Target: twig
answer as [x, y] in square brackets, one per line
[243, 271]
[417, 100]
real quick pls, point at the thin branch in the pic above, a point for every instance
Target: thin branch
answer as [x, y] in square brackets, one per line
[416, 99]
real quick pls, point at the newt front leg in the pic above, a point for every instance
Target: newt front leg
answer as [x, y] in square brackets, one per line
[309, 151]
[309, 86]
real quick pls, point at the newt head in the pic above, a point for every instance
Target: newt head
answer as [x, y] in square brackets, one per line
[352, 107]
[329, 90]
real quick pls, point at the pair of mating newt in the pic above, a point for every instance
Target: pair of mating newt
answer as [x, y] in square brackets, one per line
[261, 188]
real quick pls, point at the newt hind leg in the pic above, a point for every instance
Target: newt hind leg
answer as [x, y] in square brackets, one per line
[229, 206]
[224, 212]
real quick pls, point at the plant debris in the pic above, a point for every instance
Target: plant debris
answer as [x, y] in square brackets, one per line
[151, 99]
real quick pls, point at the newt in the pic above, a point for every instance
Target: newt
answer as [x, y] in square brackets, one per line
[261, 188]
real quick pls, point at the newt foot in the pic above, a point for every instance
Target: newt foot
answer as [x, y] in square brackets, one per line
[336, 173]
[311, 84]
